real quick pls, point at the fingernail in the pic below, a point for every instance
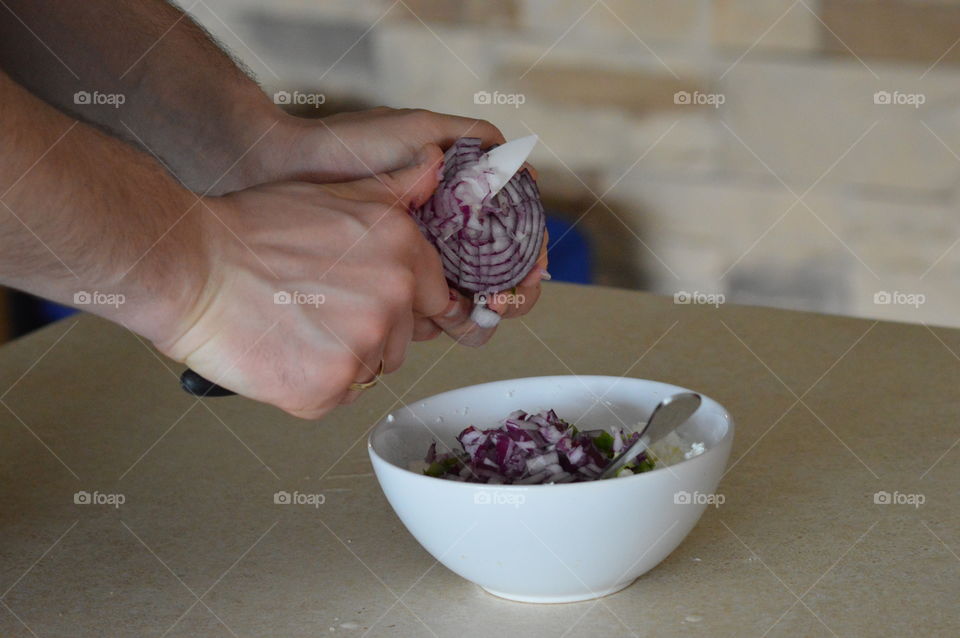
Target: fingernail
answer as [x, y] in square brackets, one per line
[544, 275]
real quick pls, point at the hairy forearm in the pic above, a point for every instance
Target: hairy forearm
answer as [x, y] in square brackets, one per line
[81, 212]
[182, 97]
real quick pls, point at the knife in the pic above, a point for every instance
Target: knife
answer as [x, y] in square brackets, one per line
[504, 160]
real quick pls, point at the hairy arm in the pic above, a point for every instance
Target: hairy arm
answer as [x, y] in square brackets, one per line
[83, 212]
[180, 95]
[188, 101]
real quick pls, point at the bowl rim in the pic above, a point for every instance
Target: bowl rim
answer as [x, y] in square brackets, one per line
[725, 440]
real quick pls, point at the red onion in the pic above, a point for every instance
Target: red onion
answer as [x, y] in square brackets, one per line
[530, 449]
[486, 244]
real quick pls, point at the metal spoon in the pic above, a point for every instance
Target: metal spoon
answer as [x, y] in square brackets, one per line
[669, 414]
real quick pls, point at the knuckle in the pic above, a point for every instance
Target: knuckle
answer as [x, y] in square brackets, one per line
[348, 226]
[398, 286]
[419, 114]
[373, 326]
[397, 228]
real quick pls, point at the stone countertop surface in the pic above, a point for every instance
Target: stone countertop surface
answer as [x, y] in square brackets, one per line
[830, 411]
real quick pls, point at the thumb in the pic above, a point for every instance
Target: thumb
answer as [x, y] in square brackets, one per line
[408, 187]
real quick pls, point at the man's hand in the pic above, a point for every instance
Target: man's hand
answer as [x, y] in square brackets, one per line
[353, 145]
[311, 287]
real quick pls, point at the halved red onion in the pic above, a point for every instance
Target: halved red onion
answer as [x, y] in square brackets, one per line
[486, 243]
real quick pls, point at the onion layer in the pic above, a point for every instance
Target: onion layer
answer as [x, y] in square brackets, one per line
[486, 243]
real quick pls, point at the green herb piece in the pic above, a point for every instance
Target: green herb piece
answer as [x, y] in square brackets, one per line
[604, 442]
[439, 468]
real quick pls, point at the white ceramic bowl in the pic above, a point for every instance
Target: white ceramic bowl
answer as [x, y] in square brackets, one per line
[549, 543]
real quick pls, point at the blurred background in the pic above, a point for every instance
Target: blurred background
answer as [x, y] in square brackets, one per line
[800, 154]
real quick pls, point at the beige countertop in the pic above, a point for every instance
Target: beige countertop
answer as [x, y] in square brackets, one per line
[829, 412]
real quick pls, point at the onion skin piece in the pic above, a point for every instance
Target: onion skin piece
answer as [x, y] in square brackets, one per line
[486, 244]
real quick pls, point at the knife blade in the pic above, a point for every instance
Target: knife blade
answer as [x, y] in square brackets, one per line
[506, 159]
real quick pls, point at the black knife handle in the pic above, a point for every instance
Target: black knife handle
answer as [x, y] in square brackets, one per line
[196, 385]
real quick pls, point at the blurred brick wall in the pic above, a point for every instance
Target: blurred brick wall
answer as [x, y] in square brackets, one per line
[798, 190]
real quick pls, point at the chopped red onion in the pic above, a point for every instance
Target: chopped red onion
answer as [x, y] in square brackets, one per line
[487, 242]
[530, 449]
